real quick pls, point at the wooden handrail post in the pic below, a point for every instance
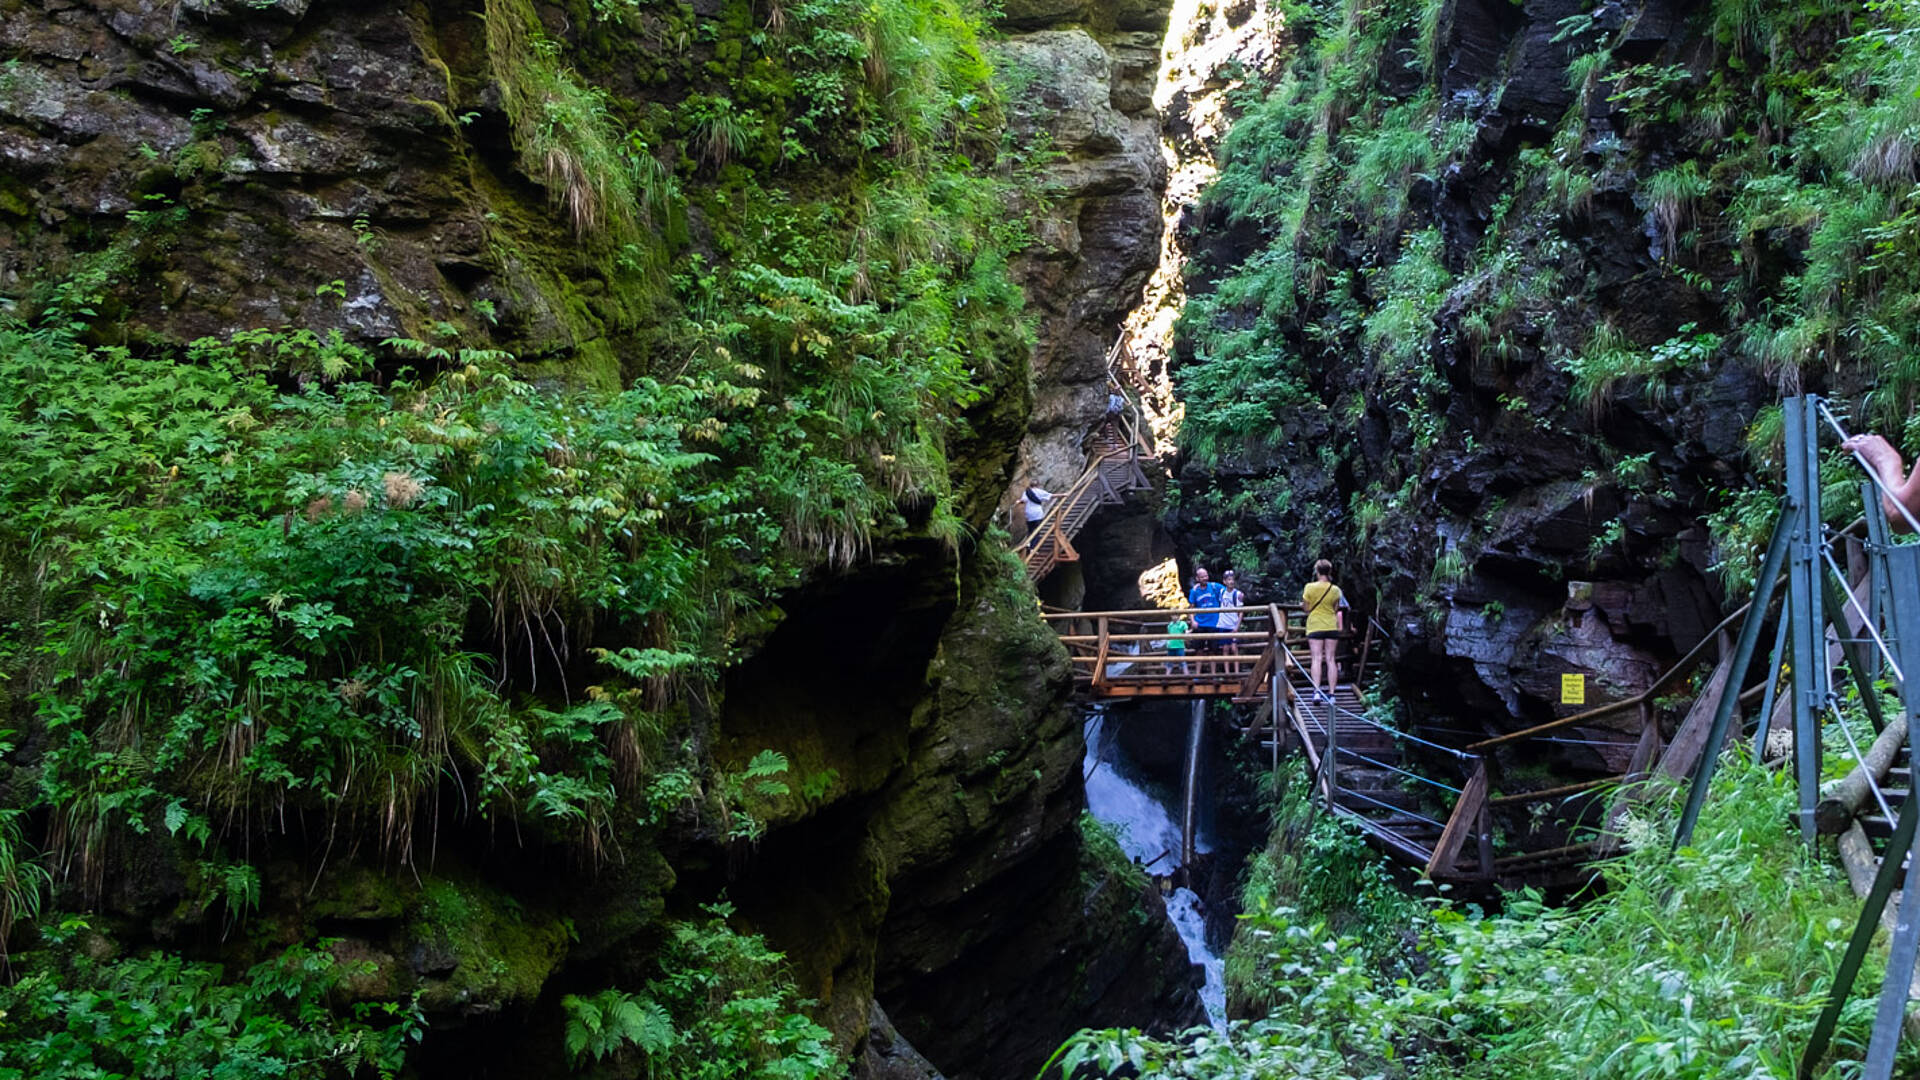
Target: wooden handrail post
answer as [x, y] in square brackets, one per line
[1467, 813]
[1273, 714]
[1483, 831]
[1100, 658]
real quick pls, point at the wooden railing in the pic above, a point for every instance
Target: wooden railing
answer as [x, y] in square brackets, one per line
[1470, 816]
[1129, 653]
[1125, 654]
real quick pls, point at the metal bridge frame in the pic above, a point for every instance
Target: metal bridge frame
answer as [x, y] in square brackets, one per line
[1893, 625]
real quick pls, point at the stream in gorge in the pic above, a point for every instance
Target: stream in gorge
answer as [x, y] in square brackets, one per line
[1148, 821]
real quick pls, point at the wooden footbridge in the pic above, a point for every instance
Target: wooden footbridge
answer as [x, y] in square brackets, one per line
[1426, 804]
[1849, 600]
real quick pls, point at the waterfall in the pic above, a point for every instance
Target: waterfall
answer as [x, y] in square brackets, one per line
[1147, 831]
[1150, 835]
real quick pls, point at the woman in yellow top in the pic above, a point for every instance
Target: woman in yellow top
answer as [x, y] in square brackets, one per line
[1326, 620]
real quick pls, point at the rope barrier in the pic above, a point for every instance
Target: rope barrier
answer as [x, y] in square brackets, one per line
[1336, 707]
[1540, 738]
[1389, 806]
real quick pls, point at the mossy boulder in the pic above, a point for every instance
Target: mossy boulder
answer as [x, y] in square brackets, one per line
[475, 950]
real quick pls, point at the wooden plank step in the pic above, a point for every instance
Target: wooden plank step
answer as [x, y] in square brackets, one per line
[1375, 750]
[1367, 734]
[1409, 827]
[1403, 800]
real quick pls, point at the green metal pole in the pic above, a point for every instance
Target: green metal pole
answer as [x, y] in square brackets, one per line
[1903, 577]
[1803, 605]
[1863, 932]
[1783, 528]
[1855, 653]
[1900, 567]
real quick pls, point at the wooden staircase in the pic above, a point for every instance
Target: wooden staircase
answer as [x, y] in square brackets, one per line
[1113, 471]
[1370, 778]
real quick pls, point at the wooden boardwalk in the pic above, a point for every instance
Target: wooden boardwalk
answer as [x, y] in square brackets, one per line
[1124, 654]
[1430, 806]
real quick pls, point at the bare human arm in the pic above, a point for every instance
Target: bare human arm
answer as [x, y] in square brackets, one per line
[1885, 461]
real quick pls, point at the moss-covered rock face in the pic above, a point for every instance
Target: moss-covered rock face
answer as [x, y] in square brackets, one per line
[926, 855]
[1081, 81]
[983, 825]
[596, 411]
[476, 950]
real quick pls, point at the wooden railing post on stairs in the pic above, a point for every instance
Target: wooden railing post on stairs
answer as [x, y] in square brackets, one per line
[1470, 812]
[1366, 647]
[1100, 657]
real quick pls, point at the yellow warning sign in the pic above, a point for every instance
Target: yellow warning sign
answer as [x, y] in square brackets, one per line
[1573, 689]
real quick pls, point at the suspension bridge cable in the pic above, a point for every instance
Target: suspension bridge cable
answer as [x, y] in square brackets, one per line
[1358, 794]
[1350, 752]
[1333, 706]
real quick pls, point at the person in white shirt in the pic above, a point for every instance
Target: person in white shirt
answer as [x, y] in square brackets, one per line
[1230, 597]
[1034, 502]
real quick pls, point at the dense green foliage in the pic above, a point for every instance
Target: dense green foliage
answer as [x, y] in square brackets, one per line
[159, 1016]
[1707, 962]
[388, 590]
[1771, 171]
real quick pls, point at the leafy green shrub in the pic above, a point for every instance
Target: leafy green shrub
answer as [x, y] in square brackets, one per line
[23, 881]
[1105, 858]
[721, 1008]
[611, 1021]
[161, 1016]
[1608, 359]
[214, 552]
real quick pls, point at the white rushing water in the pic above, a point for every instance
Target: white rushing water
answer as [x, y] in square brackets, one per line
[1184, 908]
[1149, 831]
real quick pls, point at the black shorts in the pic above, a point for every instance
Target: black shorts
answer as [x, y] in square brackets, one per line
[1322, 635]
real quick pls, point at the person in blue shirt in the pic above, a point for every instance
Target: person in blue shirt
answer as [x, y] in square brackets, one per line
[1204, 595]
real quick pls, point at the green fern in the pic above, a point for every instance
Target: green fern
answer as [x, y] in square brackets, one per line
[23, 881]
[611, 1021]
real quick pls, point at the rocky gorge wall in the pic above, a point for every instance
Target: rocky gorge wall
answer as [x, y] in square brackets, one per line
[1487, 305]
[370, 173]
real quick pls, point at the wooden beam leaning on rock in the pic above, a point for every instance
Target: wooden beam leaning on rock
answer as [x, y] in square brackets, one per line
[1842, 800]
